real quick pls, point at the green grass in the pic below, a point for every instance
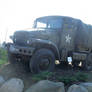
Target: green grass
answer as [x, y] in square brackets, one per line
[3, 56]
[77, 77]
[42, 76]
[81, 76]
[68, 79]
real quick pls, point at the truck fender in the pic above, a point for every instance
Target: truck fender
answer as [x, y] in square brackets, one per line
[39, 43]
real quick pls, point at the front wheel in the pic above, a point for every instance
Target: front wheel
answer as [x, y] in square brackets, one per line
[42, 60]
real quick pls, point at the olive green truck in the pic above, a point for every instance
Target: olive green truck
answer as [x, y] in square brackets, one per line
[52, 38]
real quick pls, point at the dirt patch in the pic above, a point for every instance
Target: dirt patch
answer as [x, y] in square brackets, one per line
[8, 71]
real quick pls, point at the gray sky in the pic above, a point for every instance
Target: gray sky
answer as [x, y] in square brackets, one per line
[19, 14]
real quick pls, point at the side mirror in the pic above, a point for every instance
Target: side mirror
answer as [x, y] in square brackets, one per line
[11, 37]
[34, 25]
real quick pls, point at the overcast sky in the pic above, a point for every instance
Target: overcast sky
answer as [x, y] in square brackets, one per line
[19, 14]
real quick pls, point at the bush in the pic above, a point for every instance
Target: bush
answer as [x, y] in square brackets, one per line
[81, 76]
[3, 56]
[42, 76]
[78, 77]
[67, 80]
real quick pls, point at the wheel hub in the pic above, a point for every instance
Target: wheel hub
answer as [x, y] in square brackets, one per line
[44, 64]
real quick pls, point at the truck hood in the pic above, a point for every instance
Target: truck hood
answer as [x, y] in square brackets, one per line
[21, 37]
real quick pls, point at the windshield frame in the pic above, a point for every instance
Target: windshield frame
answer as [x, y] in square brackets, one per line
[47, 23]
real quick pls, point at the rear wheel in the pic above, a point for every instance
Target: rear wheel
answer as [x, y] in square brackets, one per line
[42, 60]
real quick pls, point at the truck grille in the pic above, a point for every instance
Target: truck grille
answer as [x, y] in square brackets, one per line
[20, 38]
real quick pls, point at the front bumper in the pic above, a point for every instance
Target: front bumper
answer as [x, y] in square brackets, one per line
[21, 50]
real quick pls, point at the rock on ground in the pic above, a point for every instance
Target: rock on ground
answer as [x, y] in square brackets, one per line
[12, 85]
[1, 80]
[47, 86]
[77, 88]
[88, 86]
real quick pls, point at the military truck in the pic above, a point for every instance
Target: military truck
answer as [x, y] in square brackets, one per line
[52, 38]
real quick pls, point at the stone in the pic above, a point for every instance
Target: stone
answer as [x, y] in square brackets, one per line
[77, 88]
[47, 86]
[12, 85]
[88, 86]
[1, 80]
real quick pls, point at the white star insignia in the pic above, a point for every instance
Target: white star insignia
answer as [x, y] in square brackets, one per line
[68, 39]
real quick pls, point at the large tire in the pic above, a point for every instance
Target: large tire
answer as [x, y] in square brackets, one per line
[42, 60]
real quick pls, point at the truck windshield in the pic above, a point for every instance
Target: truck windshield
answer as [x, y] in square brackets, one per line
[48, 24]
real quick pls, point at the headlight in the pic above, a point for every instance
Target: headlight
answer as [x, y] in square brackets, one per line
[13, 48]
[11, 37]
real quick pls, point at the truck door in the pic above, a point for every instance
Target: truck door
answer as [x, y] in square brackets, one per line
[68, 36]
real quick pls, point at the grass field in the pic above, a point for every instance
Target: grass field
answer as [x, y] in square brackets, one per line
[3, 56]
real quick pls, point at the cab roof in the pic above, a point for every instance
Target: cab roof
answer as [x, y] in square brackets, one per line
[52, 17]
